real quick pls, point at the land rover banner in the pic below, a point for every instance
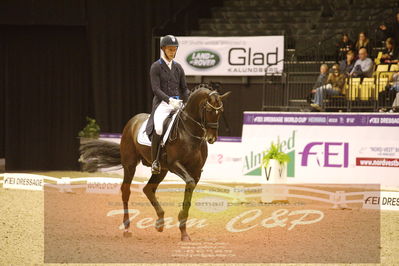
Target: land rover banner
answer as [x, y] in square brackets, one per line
[231, 56]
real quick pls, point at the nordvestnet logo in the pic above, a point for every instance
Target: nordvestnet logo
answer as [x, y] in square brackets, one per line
[203, 59]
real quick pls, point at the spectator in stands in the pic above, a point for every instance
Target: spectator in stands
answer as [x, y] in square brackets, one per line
[391, 29]
[390, 53]
[321, 80]
[343, 46]
[395, 88]
[334, 86]
[347, 64]
[363, 42]
[363, 67]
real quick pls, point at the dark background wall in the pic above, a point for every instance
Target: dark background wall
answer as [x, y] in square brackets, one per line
[63, 60]
[46, 95]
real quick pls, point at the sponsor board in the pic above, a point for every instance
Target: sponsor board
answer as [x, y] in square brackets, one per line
[103, 185]
[231, 56]
[253, 157]
[23, 181]
[384, 200]
[325, 148]
[378, 162]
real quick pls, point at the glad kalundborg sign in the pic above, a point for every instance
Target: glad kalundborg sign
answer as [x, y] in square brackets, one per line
[231, 56]
[325, 148]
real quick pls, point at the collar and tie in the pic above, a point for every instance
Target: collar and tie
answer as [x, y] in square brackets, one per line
[168, 63]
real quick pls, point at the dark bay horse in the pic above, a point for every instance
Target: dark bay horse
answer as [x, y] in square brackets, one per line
[185, 155]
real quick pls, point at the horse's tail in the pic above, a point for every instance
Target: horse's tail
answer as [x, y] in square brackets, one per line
[95, 154]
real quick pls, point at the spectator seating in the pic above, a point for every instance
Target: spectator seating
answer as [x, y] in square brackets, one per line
[301, 21]
[352, 88]
[382, 68]
[367, 88]
[381, 83]
[311, 29]
[394, 67]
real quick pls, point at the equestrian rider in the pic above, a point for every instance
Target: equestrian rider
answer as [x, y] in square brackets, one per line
[168, 83]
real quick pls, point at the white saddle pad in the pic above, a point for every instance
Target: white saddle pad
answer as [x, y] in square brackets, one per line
[143, 139]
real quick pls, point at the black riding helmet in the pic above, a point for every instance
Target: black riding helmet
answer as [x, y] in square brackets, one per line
[169, 40]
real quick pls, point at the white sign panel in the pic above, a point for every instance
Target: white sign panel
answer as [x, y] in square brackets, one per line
[103, 185]
[231, 56]
[326, 148]
[224, 161]
[23, 181]
[381, 200]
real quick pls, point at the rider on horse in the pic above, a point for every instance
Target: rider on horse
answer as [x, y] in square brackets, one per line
[168, 83]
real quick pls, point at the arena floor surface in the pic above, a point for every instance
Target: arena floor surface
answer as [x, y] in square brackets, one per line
[52, 227]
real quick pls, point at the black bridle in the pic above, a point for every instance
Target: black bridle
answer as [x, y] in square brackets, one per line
[204, 124]
[212, 125]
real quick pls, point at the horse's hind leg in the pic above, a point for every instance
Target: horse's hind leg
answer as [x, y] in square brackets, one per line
[149, 190]
[128, 174]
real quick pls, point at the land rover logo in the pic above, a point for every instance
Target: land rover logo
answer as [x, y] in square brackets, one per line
[203, 59]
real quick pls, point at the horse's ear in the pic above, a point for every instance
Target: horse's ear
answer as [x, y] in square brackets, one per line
[224, 96]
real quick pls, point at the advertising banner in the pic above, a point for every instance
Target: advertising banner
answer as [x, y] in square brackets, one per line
[23, 181]
[231, 56]
[325, 148]
[384, 200]
[104, 186]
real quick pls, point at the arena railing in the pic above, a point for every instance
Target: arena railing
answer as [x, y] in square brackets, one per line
[292, 91]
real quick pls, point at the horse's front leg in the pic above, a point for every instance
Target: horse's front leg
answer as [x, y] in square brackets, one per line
[188, 193]
[149, 190]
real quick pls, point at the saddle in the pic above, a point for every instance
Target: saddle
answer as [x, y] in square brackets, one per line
[168, 124]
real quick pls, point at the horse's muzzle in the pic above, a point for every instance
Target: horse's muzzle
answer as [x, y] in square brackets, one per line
[211, 139]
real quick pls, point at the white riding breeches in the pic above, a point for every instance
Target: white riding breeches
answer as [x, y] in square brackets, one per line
[162, 111]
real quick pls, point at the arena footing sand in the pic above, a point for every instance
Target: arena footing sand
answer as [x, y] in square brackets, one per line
[52, 227]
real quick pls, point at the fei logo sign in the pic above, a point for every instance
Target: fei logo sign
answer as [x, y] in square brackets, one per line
[326, 154]
[384, 200]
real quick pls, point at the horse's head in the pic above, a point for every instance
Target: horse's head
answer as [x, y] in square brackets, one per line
[206, 107]
[212, 110]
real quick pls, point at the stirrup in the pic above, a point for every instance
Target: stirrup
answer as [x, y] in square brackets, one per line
[156, 167]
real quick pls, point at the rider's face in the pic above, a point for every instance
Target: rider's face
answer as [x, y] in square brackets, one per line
[170, 51]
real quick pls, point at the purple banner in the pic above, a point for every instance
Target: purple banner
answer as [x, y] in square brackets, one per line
[301, 119]
[229, 139]
[220, 138]
[110, 135]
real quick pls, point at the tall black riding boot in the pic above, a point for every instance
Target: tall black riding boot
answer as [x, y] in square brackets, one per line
[155, 147]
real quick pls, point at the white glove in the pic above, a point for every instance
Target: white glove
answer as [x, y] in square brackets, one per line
[175, 103]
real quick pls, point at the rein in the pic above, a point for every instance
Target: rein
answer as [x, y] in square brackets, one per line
[202, 138]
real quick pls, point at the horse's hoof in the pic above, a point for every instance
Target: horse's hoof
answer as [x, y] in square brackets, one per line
[127, 234]
[159, 225]
[185, 238]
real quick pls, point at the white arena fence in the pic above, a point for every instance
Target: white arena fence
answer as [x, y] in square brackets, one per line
[236, 193]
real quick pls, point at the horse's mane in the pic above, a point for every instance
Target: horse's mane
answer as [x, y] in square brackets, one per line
[203, 85]
[200, 88]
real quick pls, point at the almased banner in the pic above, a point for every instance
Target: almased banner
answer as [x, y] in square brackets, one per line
[326, 148]
[231, 56]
